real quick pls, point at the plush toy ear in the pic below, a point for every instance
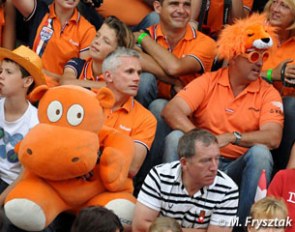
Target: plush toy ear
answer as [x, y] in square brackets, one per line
[38, 93]
[105, 97]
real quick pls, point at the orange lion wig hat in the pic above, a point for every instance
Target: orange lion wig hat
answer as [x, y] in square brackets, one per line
[244, 35]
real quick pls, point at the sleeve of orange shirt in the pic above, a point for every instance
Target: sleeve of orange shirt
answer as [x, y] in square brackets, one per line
[204, 50]
[196, 91]
[87, 35]
[272, 106]
[144, 132]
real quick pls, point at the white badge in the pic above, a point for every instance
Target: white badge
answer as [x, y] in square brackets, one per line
[46, 33]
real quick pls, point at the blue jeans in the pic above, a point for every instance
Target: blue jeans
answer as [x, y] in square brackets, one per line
[170, 147]
[150, 19]
[148, 89]
[162, 131]
[246, 171]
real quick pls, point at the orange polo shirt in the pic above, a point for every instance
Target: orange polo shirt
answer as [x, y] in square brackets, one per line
[278, 54]
[130, 12]
[87, 73]
[65, 43]
[216, 11]
[195, 44]
[134, 120]
[216, 109]
[2, 22]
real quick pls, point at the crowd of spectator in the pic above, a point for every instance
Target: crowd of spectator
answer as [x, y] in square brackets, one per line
[207, 111]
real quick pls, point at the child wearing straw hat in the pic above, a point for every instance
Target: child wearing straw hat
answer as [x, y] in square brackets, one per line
[20, 71]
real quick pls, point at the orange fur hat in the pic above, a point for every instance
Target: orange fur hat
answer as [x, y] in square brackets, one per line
[244, 35]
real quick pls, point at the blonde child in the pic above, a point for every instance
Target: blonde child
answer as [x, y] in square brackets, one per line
[268, 215]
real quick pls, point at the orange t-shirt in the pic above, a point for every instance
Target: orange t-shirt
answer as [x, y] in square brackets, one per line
[216, 11]
[216, 109]
[277, 55]
[2, 22]
[130, 12]
[65, 42]
[195, 44]
[134, 120]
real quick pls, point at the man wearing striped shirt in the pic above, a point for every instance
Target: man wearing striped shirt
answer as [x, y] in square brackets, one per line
[192, 190]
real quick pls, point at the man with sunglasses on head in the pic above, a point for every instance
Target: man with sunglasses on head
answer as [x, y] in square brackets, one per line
[235, 104]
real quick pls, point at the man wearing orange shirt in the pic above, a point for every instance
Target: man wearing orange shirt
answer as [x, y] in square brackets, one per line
[238, 106]
[121, 71]
[174, 52]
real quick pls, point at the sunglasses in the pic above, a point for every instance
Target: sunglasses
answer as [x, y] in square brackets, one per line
[254, 56]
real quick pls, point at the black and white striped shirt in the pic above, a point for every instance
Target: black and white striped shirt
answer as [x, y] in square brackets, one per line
[164, 191]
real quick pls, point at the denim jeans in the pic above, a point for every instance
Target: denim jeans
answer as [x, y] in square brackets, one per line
[162, 131]
[148, 89]
[150, 19]
[246, 171]
[170, 146]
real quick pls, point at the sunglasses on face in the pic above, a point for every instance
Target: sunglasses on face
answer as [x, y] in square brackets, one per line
[254, 56]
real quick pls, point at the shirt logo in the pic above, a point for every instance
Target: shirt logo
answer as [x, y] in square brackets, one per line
[46, 33]
[125, 128]
[74, 43]
[278, 104]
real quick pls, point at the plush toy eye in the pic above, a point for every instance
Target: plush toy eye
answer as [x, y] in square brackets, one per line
[75, 115]
[54, 111]
[250, 34]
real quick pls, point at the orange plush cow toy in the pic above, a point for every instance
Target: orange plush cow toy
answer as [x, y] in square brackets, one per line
[71, 160]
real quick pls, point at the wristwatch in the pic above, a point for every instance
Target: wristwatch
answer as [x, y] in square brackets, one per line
[238, 136]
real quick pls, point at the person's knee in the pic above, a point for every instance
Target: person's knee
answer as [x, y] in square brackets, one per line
[260, 156]
[157, 106]
[147, 82]
[147, 91]
[170, 148]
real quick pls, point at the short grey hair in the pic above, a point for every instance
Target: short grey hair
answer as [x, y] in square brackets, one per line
[186, 144]
[112, 61]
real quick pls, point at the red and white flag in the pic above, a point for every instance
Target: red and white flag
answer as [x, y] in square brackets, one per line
[261, 187]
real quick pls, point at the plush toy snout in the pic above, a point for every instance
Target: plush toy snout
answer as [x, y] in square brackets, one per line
[70, 153]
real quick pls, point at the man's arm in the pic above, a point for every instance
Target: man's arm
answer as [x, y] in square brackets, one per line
[176, 113]
[151, 66]
[269, 134]
[25, 7]
[139, 156]
[237, 10]
[143, 217]
[9, 28]
[172, 65]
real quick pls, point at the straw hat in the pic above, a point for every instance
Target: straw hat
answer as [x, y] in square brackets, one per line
[28, 59]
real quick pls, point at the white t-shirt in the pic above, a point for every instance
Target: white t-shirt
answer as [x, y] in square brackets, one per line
[10, 134]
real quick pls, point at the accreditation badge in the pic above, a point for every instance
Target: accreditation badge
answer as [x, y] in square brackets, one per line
[46, 33]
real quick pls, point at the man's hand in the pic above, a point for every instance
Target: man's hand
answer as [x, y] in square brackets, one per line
[225, 139]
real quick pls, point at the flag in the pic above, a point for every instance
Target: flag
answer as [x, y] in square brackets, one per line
[261, 187]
